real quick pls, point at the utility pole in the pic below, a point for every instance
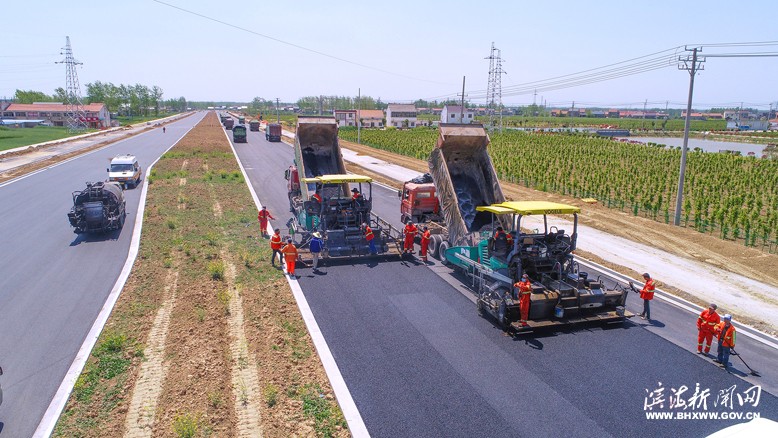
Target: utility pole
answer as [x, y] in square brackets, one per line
[689, 64]
[644, 115]
[278, 116]
[462, 104]
[359, 110]
[76, 117]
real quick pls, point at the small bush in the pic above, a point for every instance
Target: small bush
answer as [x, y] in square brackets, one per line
[271, 395]
[186, 425]
[216, 269]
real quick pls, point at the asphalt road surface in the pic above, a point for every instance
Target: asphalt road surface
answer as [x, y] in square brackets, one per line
[419, 361]
[53, 282]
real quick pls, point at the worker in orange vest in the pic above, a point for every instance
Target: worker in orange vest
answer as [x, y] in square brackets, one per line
[410, 234]
[290, 256]
[369, 236]
[706, 324]
[425, 243]
[647, 294]
[725, 332]
[275, 244]
[525, 289]
[262, 217]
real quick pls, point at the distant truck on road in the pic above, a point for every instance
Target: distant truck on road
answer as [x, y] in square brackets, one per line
[239, 134]
[273, 132]
[229, 123]
[254, 125]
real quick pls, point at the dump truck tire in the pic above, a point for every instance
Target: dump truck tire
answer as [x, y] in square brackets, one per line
[435, 246]
[442, 252]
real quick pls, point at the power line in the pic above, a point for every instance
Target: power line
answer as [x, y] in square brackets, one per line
[327, 55]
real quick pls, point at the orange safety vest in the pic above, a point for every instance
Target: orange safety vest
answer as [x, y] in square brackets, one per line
[707, 321]
[368, 234]
[425, 237]
[290, 251]
[411, 229]
[525, 287]
[355, 196]
[275, 241]
[648, 290]
[726, 335]
[263, 215]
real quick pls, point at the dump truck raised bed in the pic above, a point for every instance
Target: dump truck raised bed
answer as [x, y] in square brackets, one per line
[324, 198]
[239, 134]
[461, 178]
[98, 208]
[273, 132]
[254, 125]
[560, 293]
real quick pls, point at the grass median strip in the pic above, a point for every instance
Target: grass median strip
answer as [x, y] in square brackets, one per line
[200, 226]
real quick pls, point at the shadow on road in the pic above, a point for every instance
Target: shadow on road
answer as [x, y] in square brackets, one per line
[95, 237]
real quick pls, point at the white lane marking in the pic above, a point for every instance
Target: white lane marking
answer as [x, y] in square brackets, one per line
[9, 182]
[49, 420]
[347, 405]
[681, 303]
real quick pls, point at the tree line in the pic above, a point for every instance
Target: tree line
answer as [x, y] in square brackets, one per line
[123, 99]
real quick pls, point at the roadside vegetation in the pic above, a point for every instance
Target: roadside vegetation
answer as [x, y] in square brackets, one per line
[731, 197]
[200, 255]
[11, 138]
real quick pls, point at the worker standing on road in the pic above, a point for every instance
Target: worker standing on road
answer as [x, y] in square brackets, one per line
[647, 294]
[369, 237]
[706, 324]
[262, 217]
[316, 246]
[163, 129]
[410, 235]
[726, 335]
[290, 256]
[275, 245]
[525, 289]
[425, 243]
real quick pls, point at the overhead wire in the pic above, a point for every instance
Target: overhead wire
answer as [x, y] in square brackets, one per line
[297, 46]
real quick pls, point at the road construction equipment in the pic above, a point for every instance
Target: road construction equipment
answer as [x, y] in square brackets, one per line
[461, 178]
[98, 208]
[319, 170]
[561, 294]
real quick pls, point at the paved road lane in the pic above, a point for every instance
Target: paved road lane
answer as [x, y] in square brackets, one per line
[53, 282]
[420, 362]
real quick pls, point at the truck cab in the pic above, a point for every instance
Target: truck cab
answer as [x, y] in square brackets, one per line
[125, 170]
[419, 203]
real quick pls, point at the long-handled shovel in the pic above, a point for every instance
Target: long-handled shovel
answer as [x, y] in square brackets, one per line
[753, 373]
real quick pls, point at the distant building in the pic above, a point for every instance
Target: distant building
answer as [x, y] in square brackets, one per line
[371, 118]
[345, 117]
[598, 114]
[401, 115]
[96, 114]
[454, 114]
[613, 114]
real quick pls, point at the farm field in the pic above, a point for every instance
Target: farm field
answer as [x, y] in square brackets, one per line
[733, 198]
[11, 138]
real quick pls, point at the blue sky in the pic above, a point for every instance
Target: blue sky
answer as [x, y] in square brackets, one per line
[414, 49]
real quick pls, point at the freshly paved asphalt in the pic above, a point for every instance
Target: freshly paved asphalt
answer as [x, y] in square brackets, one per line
[420, 362]
[53, 282]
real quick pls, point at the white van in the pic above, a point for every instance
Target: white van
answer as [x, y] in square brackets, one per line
[125, 170]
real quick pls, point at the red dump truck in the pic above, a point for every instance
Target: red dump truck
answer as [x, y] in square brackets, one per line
[273, 132]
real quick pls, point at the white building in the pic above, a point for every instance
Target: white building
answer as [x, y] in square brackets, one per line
[454, 114]
[345, 117]
[401, 115]
[371, 118]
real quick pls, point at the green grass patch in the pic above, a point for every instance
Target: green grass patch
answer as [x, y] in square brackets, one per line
[17, 137]
[327, 417]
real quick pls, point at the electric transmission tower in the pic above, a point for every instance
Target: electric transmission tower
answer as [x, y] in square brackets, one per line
[494, 88]
[76, 116]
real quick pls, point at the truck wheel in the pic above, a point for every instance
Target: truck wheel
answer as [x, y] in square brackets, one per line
[479, 306]
[122, 218]
[442, 251]
[435, 246]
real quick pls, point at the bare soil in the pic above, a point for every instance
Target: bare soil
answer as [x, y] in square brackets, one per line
[679, 241]
[199, 215]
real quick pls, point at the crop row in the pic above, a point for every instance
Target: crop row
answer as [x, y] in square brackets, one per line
[737, 197]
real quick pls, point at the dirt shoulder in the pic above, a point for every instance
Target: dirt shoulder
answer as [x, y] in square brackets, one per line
[177, 357]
